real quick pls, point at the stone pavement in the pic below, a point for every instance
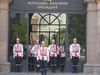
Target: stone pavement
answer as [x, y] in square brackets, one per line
[30, 73]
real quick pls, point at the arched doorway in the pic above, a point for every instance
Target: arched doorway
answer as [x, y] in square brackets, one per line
[48, 26]
[63, 31]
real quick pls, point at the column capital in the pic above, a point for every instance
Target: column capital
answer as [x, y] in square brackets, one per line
[5, 1]
[89, 1]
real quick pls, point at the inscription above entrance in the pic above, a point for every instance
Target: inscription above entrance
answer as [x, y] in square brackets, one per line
[29, 5]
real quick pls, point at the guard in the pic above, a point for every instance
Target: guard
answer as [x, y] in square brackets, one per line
[62, 56]
[35, 53]
[30, 57]
[75, 55]
[18, 54]
[53, 55]
[43, 56]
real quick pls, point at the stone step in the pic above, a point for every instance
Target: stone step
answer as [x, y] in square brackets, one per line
[25, 73]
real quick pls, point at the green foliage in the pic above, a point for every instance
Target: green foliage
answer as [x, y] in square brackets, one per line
[76, 28]
[22, 32]
[62, 35]
[46, 42]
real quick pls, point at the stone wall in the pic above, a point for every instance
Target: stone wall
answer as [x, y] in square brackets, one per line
[4, 13]
[93, 37]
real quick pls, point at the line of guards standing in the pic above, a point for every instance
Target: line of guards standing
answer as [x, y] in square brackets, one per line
[39, 56]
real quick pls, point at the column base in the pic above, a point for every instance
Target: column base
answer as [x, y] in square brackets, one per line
[92, 68]
[5, 67]
[97, 68]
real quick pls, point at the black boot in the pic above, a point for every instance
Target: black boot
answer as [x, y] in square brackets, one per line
[54, 69]
[19, 67]
[62, 68]
[16, 67]
[45, 71]
[38, 68]
[42, 72]
[33, 67]
[74, 69]
[29, 67]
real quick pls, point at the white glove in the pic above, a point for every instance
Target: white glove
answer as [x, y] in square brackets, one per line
[14, 56]
[52, 53]
[48, 60]
[79, 57]
[35, 53]
[21, 56]
[37, 59]
[58, 53]
[70, 57]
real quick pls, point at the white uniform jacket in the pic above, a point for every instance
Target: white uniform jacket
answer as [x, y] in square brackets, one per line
[35, 50]
[62, 51]
[43, 54]
[75, 50]
[18, 50]
[53, 50]
[30, 50]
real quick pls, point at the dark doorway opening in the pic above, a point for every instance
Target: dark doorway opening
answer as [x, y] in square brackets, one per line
[45, 26]
[48, 26]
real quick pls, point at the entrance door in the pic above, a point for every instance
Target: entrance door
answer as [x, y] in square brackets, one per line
[48, 26]
[76, 28]
[64, 28]
[18, 28]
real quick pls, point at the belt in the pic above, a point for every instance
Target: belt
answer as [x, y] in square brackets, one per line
[61, 52]
[17, 52]
[53, 52]
[43, 56]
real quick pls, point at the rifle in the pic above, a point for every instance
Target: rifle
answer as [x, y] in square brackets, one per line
[56, 44]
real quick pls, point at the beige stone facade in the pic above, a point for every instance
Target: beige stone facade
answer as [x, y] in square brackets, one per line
[4, 13]
[93, 36]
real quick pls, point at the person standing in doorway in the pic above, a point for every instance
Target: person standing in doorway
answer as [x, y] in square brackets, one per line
[30, 57]
[53, 55]
[35, 53]
[62, 56]
[18, 54]
[75, 55]
[43, 56]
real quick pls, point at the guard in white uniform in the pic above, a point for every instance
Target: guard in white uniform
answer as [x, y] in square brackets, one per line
[53, 55]
[18, 54]
[43, 56]
[62, 56]
[35, 53]
[75, 55]
[30, 57]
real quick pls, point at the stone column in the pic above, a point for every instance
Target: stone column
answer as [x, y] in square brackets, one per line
[91, 36]
[97, 64]
[4, 13]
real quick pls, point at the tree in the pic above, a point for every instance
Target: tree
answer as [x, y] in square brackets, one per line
[22, 29]
[76, 28]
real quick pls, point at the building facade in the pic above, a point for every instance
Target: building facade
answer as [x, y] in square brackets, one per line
[92, 64]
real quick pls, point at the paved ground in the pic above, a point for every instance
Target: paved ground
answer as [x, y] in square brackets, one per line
[30, 73]
[48, 73]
